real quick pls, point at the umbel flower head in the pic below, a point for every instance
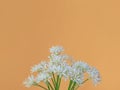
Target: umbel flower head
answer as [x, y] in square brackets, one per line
[57, 68]
[56, 50]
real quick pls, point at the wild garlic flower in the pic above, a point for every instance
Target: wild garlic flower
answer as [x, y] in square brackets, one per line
[56, 50]
[58, 59]
[76, 74]
[43, 77]
[39, 67]
[79, 79]
[94, 75]
[64, 66]
[81, 65]
[60, 69]
[29, 81]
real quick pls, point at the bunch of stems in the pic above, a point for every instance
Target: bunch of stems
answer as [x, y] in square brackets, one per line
[56, 81]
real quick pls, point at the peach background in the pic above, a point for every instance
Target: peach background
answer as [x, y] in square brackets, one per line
[88, 29]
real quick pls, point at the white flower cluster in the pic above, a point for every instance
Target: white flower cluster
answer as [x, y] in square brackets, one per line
[56, 49]
[29, 81]
[59, 66]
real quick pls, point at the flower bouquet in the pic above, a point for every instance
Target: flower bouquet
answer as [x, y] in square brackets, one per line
[61, 66]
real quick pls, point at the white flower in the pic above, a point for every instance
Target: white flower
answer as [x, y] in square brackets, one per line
[76, 75]
[81, 65]
[67, 72]
[59, 59]
[56, 49]
[79, 79]
[42, 77]
[39, 67]
[94, 75]
[29, 81]
[60, 69]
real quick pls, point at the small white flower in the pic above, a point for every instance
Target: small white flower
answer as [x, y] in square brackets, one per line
[79, 79]
[81, 65]
[94, 75]
[56, 49]
[76, 75]
[68, 73]
[62, 70]
[29, 81]
[59, 59]
[42, 77]
[39, 67]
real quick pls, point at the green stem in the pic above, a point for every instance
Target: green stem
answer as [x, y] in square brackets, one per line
[41, 87]
[50, 85]
[73, 86]
[54, 77]
[53, 82]
[70, 83]
[85, 81]
[59, 82]
[57, 87]
[82, 83]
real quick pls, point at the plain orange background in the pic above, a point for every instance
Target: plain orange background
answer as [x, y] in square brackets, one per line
[87, 29]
